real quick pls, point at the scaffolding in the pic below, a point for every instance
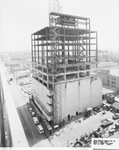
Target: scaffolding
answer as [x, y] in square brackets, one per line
[64, 51]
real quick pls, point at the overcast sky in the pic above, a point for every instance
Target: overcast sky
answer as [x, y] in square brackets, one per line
[20, 18]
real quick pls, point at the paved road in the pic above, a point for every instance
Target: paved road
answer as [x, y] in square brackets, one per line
[5, 136]
[2, 137]
[30, 129]
[11, 117]
[8, 139]
[32, 134]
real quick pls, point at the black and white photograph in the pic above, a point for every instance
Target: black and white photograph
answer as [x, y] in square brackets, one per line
[59, 74]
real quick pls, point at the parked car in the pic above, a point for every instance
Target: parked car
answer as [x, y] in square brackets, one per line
[35, 120]
[115, 116]
[96, 134]
[111, 131]
[97, 109]
[87, 114]
[56, 127]
[30, 109]
[33, 113]
[57, 133]
[103, 112]
[106, 122]
[40, 129]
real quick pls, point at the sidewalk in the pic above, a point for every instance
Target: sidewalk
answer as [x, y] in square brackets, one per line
[19, 99]
[17, 132]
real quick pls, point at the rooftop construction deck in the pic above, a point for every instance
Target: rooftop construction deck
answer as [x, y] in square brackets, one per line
[64, 50]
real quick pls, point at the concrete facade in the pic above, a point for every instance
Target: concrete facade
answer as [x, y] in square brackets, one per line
[110, 77]
[42, 100]
[70, 98]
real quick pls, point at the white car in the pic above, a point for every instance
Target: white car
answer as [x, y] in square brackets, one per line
[57, 133]
[33, 113]
[35, 120]
[40, 129]
[30, 109]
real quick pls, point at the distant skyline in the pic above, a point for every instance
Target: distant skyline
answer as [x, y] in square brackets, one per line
[20, 18]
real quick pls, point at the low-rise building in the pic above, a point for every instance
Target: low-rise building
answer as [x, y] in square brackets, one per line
[107, 64]
[110, 77]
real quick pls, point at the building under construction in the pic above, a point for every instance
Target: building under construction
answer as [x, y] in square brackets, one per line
[63, 57]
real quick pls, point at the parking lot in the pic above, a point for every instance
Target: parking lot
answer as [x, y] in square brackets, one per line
[76, 129]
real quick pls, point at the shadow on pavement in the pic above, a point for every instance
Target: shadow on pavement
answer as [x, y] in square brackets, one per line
[31, 132]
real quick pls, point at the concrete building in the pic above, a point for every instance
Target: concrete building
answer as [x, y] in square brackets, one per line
[63, 57]
[110, 77]
[107, 64]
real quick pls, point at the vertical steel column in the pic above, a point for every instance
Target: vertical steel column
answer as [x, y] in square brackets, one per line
[32, 48]
[89, 43]
[42, 50]
[78, 44]
[2, 130]
[38, 49]
[52, 64]
[86, 44]
[97, 49]
[47, 57]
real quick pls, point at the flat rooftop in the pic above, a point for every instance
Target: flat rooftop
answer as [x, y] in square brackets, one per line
[108, 89]
[114, 72]
[66, 15]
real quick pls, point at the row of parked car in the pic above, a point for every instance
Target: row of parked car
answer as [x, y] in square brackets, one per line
[36, 121]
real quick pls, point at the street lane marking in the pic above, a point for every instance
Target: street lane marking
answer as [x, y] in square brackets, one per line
[26, 118]
[33, 136]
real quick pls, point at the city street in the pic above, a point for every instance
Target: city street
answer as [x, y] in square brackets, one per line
[2, 139]
[31, 132]
[30, 129]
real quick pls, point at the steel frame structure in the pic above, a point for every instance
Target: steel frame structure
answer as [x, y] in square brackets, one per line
[64, 51]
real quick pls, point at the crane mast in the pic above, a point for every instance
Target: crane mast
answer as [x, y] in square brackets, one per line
[54, 6]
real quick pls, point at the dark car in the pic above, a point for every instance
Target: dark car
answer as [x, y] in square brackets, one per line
[97, 109]
[115, 116]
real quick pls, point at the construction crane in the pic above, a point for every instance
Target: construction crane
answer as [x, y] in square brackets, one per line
[54, 6]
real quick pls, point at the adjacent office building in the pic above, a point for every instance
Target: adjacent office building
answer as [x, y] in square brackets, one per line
[110, 77]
